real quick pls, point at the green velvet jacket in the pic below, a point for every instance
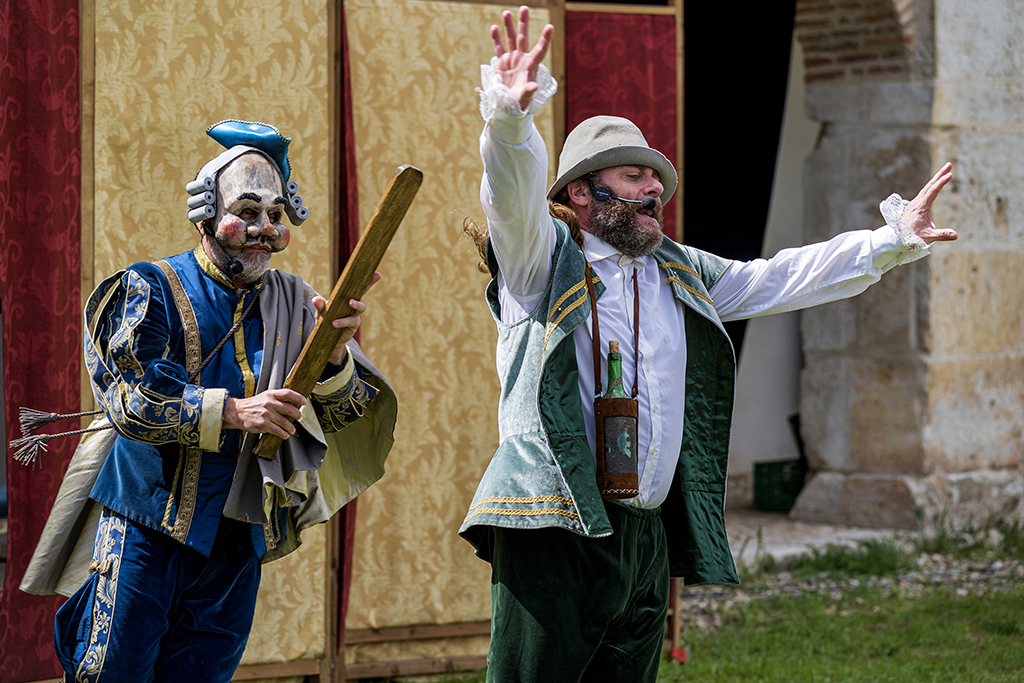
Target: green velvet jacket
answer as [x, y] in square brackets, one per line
[543, 473]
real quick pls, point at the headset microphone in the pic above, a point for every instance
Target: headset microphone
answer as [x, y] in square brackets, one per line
[234, 265]
[603, 194]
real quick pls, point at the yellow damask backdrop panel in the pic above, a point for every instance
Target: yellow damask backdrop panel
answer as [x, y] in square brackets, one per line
[164, 72]
[415, 66]
[289, 621]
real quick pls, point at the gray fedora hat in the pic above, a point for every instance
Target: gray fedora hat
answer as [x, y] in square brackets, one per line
[603, 141]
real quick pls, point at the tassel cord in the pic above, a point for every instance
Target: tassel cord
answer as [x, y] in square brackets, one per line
[33, 420]
[28, 448]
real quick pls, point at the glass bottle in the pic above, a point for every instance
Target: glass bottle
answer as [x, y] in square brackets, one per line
[616, 417]
[615, 389]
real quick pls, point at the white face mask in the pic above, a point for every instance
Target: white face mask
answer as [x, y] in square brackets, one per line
[250, 211]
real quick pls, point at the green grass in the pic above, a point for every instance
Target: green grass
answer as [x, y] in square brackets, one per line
[864, 635]
[1013, 541]
[884, 557]
[1003, 536]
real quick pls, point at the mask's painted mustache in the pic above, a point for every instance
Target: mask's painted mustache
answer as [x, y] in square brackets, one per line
[271, 243]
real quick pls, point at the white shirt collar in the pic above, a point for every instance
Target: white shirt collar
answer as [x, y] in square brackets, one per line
[595, 249]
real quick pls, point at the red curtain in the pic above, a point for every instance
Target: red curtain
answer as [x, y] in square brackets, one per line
[625, 65]
[40, 274]
[348, 236]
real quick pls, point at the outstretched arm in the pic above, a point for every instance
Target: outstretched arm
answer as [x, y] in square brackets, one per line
[513, 188]
[839, 268]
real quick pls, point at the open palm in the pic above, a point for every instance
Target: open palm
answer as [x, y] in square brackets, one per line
[517, 65]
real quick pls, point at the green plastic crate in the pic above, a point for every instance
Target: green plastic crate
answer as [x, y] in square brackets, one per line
[777, 484]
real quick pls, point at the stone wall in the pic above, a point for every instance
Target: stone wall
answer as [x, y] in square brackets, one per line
[851, 39]
[912, 394]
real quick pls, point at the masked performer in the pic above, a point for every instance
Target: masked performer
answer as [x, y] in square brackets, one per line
[581, 552]
[188, 357]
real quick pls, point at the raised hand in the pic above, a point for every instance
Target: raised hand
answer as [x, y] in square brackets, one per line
[918, 214]
[517, 65]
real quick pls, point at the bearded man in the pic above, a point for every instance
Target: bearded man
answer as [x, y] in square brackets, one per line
[188, 358]
[580, 569]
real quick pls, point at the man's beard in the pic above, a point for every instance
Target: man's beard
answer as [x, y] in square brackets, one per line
[617, 224]
[256, 263]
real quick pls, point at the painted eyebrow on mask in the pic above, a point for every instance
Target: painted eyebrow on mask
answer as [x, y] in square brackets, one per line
[252, 196]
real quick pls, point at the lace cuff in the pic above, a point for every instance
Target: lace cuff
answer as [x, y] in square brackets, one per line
[892, 208]
[496, 95]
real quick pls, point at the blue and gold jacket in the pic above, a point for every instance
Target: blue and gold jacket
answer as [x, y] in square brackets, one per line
[543, 473]
[136, 353]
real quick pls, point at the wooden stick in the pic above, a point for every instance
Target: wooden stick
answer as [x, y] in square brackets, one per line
[351, 285]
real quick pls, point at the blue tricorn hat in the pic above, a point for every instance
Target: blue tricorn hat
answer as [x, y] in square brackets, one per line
[262, 136]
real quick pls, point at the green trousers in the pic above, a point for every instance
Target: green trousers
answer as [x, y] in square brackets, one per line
[568, 608]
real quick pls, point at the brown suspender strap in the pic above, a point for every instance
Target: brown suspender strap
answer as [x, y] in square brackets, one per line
[597, 332]
[595, 329]
[636, 333]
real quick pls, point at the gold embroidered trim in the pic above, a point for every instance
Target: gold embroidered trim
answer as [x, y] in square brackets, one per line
[209, 267]
[561, 316]
[576, 304]
[241, 358]
[189, 491]
[679, 266]
[107, 553]
[191, 456]
[521, 513]
[193, 347]
[561, 300]
[691, 290]
[569, 309]
[120, 343]
[102, 305]
[358, 408]
[523, 501]
[174, 487]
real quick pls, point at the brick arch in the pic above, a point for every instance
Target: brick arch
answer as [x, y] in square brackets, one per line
[846, 40]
